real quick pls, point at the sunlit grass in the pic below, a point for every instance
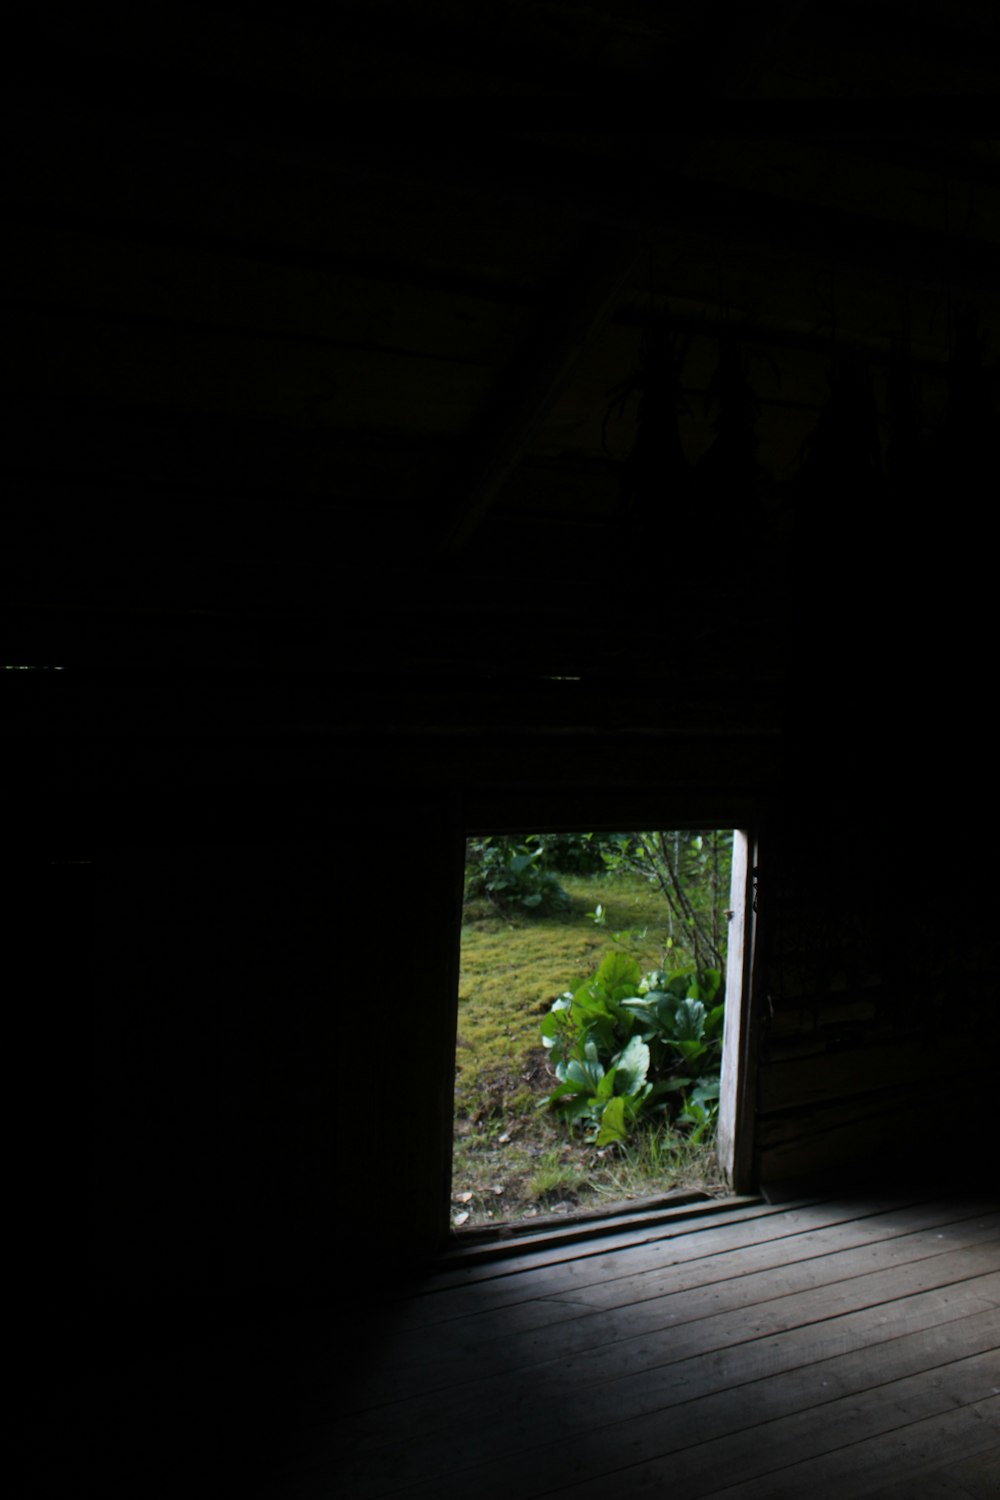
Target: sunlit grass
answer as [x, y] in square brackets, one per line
[512, 1159]
[513, 967]
[658, 1160]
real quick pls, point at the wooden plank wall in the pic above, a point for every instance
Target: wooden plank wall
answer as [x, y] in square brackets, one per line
[877, 994]
[246, 364]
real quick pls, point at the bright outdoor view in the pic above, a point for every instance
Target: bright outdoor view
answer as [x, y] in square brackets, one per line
[590, 1021]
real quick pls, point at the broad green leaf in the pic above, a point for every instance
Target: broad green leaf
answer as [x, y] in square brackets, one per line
[617, 971]
[578, 1108]
[612, 1122]
[562, 1091]
[601, 1034]
[635, 1104]
[668, 1086]
[554, 1023]
[708, 982]
[654, 1010]
[681, 982]
[689, 1020]
[625, 1020]
[633, 1065]
[713, 1022]
[691, 1051]
[657, 1009]
[705, 1090]
[589, 994]
[586, 1074]
[643, 1008]
[666, 1010]
[591, 1000]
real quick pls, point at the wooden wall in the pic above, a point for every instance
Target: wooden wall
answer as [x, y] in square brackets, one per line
[273, 1050]
[255, 373]
[251, 1135]
[877, 1000]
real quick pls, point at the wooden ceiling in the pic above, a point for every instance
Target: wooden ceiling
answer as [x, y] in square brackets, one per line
[298, 380]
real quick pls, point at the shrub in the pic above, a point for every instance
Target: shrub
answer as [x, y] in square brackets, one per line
[511, 874]
[624, 1047]
[577, 853]
[692, 872]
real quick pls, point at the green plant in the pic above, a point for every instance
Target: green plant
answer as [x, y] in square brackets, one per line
[621, 1045]
[553, 1178]
[692, 872]
[656, 1159]
[634, 935]
[512, 874]
[512, 967]
[701, 1108]
[575, 853]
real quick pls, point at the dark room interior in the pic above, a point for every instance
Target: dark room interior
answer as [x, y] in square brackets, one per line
[396, 448]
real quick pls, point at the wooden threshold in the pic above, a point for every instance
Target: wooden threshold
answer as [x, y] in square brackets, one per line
[474, 1246]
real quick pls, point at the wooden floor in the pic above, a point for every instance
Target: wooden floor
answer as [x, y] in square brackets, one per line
[739, 1349]
[743, 1350]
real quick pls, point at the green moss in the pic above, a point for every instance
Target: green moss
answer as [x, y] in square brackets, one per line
[513, 967]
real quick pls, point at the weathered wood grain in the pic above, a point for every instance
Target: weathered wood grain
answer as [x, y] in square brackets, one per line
[732, 1414]
[499, 1339]
[842, 1074]
[941, 1475]
[547, 1360]
[456, 1293]
[747, 1310]
[783, 1353]
[903, 1452]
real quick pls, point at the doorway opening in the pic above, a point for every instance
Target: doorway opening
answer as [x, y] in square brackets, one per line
[601, 1023]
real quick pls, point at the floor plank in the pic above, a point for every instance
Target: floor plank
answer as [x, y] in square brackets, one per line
[794, 1455]
[450, 1294]
[847, 1348]
[632, 1338]
[963, 1476]
[861, 1467]
[745, 1349]
[537, 1294]
[497, 1338]
[501, 1462]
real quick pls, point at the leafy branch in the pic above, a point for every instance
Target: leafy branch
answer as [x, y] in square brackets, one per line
[651, 855]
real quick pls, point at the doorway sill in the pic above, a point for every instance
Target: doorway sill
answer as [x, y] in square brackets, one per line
[471, 1247]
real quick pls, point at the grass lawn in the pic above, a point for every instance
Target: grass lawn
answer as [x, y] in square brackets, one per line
[511, 1160]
